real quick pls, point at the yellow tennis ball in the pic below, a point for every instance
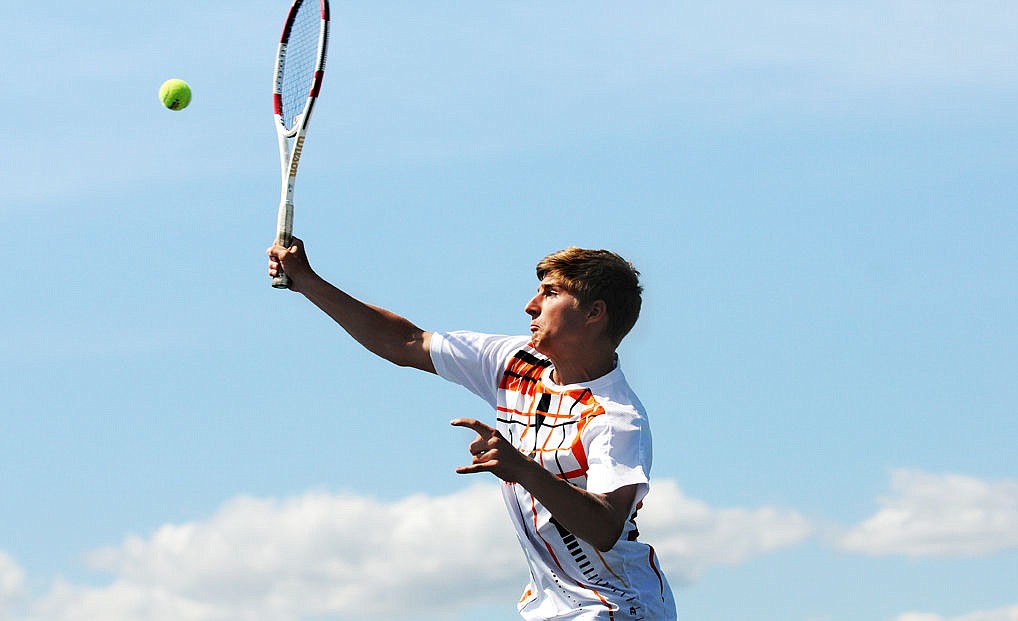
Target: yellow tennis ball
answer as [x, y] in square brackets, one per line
[175, 94]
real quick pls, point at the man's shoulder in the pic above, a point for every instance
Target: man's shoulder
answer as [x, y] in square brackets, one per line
[481, 347]
[617, 397]
[480, 341]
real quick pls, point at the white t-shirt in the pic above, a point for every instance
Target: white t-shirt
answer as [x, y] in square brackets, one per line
[594, 435]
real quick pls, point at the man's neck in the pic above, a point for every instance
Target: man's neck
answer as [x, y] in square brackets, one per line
[577, 372]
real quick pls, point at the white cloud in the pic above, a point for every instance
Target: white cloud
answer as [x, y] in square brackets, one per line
[317, 554]
[12, 581]
[689, 536]
[1003, 614]
[351, 557]
[939, 515]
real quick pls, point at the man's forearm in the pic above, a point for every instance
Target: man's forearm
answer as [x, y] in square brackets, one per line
[380, 331]
[598, 519]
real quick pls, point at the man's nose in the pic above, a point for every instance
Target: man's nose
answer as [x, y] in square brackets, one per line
[532, 307]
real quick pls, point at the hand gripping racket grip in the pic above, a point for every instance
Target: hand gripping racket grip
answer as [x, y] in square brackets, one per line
[284, 237]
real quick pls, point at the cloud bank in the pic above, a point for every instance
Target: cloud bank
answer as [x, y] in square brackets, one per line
[354, 557]
[348, 556]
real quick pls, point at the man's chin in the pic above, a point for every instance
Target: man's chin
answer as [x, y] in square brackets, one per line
[536, 344]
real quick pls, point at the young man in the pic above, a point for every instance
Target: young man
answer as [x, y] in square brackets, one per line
[571, 440]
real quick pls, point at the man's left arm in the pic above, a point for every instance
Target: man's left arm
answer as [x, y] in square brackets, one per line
[598, 519]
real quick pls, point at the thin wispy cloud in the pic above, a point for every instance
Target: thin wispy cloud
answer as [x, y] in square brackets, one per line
[533, 76]
[1009, 613]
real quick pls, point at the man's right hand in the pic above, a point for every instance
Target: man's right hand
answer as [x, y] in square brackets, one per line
[292, 260]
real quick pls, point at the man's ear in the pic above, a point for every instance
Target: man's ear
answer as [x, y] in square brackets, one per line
[598, 311]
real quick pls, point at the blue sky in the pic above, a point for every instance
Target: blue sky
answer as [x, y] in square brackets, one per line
[820, 196]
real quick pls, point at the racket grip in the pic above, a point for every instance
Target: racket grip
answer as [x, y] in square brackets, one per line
[284, 235]
[282, 281]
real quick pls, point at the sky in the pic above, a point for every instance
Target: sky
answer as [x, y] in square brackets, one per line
[820, 198]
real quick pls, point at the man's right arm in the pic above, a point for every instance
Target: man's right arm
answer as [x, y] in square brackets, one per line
[380, 331]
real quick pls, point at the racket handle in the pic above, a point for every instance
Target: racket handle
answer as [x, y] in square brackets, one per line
[284, 236]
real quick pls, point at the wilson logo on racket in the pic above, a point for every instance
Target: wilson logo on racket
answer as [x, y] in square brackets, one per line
[297, 147]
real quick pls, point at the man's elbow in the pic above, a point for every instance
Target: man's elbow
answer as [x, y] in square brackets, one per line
[424, 364]
[413, 353]
[607, 540]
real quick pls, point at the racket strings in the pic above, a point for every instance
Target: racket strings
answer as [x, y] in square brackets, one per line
[301, 61]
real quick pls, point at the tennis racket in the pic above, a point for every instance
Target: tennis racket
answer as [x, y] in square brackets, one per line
[300, 66]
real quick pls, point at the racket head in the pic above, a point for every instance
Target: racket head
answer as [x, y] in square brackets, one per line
[300, 63]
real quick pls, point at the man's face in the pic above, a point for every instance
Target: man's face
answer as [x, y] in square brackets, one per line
[556, 318]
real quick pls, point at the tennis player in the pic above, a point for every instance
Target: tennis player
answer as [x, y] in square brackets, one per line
[571, 440]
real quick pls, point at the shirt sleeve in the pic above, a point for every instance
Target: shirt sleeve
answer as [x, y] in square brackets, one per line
[473, 360]
[619, 453]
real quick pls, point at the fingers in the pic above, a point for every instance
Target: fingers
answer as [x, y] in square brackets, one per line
[279, 252]
[474, 424]
[489, 451]
[485, 457]
[485, 441]
[276, 254]
[291, 256]
[487, 466]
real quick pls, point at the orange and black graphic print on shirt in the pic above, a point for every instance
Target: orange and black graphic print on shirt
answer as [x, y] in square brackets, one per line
[545, 422]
